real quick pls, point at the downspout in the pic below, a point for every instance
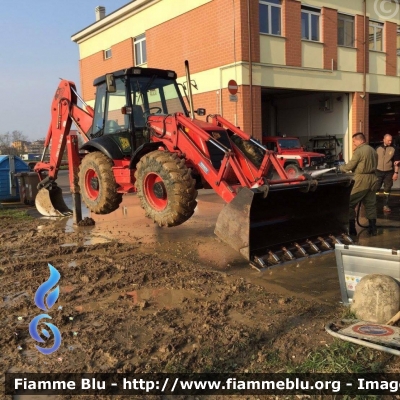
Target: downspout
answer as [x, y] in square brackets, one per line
[250, 68]
[365, 69]
[346, 151]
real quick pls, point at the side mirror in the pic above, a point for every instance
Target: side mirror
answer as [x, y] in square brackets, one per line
[110, 82]
[200, 111]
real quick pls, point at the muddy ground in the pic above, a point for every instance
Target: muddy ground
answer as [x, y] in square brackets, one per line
[126, 307]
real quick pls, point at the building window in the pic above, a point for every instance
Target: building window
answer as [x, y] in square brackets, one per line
[375, 36]
[270, 16]
[107, 54]
[310, 23]
[345, 30]
[140, 49]
[398, 40]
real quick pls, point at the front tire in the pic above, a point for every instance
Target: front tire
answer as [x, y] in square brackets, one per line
[97, 184]
[292, 171]
[165, 188]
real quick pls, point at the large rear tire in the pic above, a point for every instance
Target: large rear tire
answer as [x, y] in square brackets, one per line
[97, 184]
[165, 188]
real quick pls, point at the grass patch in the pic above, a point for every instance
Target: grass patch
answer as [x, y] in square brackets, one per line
[14, 213]
[343, 357]
[348, 314]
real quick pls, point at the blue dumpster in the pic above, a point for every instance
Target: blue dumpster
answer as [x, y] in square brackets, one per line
[9, 166]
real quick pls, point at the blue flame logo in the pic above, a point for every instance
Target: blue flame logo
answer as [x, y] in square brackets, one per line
[45, 303]
[56, 333]
[45, 287]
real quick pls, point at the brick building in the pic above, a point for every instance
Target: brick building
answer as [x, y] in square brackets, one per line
[20, 145]
[304, 68]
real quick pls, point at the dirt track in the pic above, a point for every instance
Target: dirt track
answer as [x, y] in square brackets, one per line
[125, 310]
[129, 307]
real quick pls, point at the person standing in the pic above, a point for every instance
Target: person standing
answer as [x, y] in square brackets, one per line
[386, 171]
[363, 164]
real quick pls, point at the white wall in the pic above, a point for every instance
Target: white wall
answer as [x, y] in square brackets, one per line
[300, 116]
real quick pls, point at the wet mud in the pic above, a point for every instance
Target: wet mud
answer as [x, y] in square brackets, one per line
[138, 298]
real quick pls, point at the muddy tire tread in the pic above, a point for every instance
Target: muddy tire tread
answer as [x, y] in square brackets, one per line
[178, 182]
[108, 199]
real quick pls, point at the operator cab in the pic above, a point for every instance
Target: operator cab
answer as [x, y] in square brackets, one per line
[124, 101]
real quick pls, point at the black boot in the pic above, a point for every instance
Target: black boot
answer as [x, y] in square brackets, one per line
[352, 227]
[372, 227]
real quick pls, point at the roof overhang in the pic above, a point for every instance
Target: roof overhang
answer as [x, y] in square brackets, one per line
[112, 19]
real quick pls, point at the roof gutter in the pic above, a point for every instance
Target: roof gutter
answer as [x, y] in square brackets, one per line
[364, 110]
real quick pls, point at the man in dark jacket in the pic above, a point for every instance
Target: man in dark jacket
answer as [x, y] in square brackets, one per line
[363, 165]
[386, 170]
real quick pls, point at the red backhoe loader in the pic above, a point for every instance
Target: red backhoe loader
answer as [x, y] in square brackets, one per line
[140, 137]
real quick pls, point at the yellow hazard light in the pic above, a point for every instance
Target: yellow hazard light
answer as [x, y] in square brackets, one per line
[187, 130]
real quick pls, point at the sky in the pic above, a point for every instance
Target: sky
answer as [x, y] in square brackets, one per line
[36, 50]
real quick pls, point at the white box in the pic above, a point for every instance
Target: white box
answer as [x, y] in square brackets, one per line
[354, 262]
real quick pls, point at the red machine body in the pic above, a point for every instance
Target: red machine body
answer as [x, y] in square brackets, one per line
[140, 137]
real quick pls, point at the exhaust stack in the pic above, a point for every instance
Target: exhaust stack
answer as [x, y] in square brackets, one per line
[189, 89]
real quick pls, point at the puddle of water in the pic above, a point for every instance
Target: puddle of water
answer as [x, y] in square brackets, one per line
[95, 240]
[69, 226]
[314, 279]
[129, 223]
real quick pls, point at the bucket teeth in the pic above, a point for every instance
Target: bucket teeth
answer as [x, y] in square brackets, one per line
[313, 247]
[301, 250]
[347, 238]
[324, 243]
[335, 240]
[288, 254]
[273, 258]
[260, 262]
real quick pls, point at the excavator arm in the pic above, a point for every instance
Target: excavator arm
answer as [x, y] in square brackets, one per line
[64, 112]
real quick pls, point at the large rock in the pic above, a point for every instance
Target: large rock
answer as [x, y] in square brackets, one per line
[376, 298]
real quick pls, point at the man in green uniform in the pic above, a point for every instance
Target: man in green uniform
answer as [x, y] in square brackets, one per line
[363, 164]
[386, 170]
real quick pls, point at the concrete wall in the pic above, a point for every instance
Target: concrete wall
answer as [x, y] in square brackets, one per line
[301, 116]
[272, 49]
[377, 63]
[347, 59]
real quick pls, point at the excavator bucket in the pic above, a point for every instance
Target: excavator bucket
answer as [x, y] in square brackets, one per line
[287, 223]
[50, 203]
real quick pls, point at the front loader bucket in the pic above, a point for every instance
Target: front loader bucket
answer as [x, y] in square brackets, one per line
[51, 203]
[291, 222]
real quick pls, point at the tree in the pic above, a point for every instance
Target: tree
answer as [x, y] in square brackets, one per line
[18, 135]
[6, 141]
